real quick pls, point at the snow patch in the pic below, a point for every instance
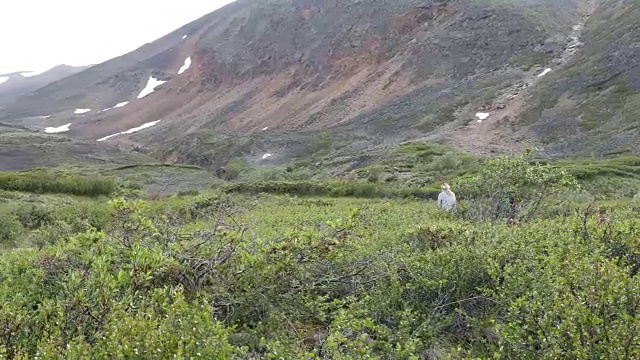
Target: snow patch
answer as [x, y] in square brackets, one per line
[185, 67]
[3, 79]
[119, 105]
[482, 116]
[44, 117]
[265, 129]
[108, 137]
[132, 130]
[81, 111]
[141, 127]
[266, 156]
[545, 72]
[479, 121]
[53, 130]
[184, 37]
[152, 84]
[33, 73]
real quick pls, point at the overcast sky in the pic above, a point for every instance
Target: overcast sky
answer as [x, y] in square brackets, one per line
[36, 35]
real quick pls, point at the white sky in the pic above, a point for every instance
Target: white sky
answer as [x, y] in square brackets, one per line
[36, 35]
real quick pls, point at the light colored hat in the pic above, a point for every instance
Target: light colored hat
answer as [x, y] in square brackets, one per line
[445, 186]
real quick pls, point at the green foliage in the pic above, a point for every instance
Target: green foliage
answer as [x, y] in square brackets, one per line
[10, 228]
[42, 181]
[333, 189]
[246, 275]
[35, 216]
[234, 168]
[418, 164]
[626, 167]
[512, 187]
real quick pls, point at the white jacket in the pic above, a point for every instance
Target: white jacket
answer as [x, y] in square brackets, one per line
[447, 200]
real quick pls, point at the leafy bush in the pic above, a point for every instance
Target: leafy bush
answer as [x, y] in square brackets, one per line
[234, 168]
[35, 216]
[346, 278]
[10, 228]
[512, 187]
[333, 189]
[45, 182]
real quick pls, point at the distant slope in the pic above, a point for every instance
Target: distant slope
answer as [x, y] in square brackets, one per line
[592, 105]
[16, 84]
[22, 150]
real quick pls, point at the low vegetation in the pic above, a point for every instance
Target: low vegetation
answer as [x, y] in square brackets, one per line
[312, 270]
[43, 181]
[331, 189]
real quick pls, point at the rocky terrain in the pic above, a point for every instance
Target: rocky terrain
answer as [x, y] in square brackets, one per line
[278, 77]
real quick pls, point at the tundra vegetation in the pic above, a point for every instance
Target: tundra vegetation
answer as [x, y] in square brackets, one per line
[90, 268]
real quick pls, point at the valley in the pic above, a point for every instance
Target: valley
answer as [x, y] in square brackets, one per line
[263, 183]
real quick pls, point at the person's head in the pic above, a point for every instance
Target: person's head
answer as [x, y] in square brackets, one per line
[445, 187]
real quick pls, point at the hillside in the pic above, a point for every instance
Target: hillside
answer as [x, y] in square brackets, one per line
[22, 150]
[16, 84]
[295, 65]
[592, 105]
[264, 183]
[277, 77]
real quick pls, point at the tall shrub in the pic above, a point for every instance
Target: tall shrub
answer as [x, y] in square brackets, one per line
[512, 187]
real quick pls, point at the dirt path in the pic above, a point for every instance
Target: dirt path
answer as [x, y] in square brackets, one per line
[493, 134]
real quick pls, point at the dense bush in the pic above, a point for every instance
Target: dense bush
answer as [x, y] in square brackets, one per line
[277, 277]
[158, 285]
[10, 229]
[47, 182]
[35, 216]
[514, 188]
[333, 189]
[42, 223]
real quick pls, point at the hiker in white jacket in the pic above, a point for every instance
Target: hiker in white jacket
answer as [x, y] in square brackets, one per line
[446, 199]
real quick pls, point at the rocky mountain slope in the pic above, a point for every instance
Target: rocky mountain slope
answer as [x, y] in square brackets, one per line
[591, 105]
[273, 76]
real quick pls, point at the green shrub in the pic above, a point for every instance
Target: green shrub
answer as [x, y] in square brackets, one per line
[346, 278]
[82, 215]
[512, 187]
[45, 182]
[234, 168]
[333, 189]
[35, 216]
[10, 229]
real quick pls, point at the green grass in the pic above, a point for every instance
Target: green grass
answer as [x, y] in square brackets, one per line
[625, 167]
[419, 164]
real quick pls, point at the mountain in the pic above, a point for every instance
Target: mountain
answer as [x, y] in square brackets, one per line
[591, 105]
[276, 76]
[20, 83]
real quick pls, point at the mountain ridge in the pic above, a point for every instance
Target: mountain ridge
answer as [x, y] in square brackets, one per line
[17, 84]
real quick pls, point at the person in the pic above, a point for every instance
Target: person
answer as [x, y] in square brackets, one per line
[446, 199]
